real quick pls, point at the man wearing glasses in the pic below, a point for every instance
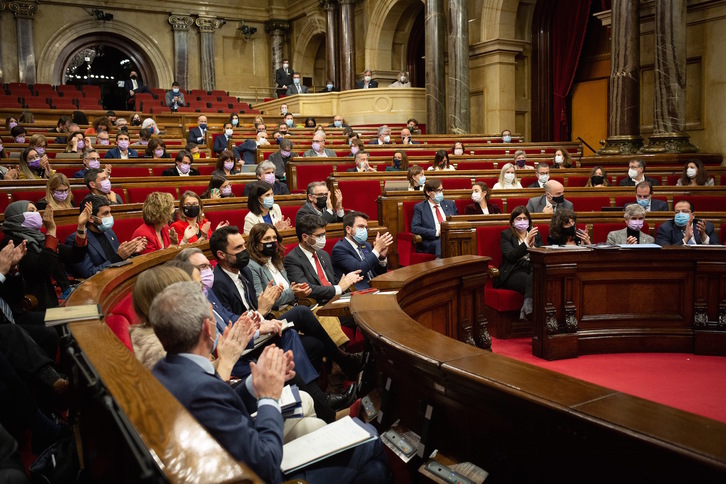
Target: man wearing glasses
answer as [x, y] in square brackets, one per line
[429, 215]
[320, 204]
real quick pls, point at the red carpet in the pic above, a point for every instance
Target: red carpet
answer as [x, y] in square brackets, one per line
[696, 384]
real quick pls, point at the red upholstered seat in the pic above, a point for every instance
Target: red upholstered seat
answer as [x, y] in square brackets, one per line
[63, 231]
[120, 318]
[589, 204]
[342, 167]
[450, 183]
[198, 189]
[600, 231]
[490, 181]
[4, 201]
[513, 202]
[461, 204]
[238, 189]
[69, 172]
[329, 244]
[125, 227]
[361, 195]
[128, 171]
[577, 181]
[139, 194]
[289, 211]
[487, 242]
[312, 172]
[157, 170]
[475, 165]
[526, 180]
[704, 203]
[407, 254]
[30, 195]
[234, 217]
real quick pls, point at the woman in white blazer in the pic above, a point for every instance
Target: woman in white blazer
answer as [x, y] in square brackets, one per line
[262, 206]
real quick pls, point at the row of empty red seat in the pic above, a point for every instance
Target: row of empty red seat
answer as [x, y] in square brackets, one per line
[45, 96]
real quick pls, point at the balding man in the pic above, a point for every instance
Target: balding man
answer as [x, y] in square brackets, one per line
[406, 137]
[552, 200]
[319, 148]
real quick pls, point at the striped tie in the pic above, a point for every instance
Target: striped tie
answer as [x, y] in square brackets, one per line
[6, 310]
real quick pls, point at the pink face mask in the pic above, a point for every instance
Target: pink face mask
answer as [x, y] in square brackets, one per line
[635, 224]
[228, 165]
[285, 154]
[102, 141]
[33, 220]
[316, 147]
[269, 178]
[60, 196]
[123, 145]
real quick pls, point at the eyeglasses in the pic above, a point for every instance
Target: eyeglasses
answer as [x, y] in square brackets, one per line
[203, 267]
[317, 236]
[439, 190]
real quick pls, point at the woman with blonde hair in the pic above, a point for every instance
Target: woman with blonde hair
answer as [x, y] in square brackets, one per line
[32, 167]
[507, 178]
[157, 211]
[598, 178]
[57, 193]
[416, 178]
[191, 214]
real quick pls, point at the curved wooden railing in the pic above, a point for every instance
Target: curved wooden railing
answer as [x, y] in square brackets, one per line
[519, 422]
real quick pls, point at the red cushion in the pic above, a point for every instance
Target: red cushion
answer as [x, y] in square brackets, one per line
[198, 189]
[234, 217]
[120, 327]
[589, 204]
[30, 195]
[205, 169]
[502, 300]
[577, 181]
[289, 211]
[456, 183]
[125, 227]
[311, 173]
[139, 171]
[703, 203]
[237, 188]
[329, 244]
[513, 202]
[461, 204]
[139, 194]
[361, 195]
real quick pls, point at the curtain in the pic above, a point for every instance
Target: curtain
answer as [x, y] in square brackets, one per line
[568, 35]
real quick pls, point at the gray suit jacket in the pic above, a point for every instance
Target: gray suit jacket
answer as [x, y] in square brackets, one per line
[261, 277]
[292, 89]
[617, 237]
[328, 152]
[537, 204]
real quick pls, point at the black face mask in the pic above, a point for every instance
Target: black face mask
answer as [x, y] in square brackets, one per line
[136, 122]
[569, 231]
[596, 180]
[133, 77]
[321, 202]
[559, 199]
[269, 249]
[191, 211]
[241, 261]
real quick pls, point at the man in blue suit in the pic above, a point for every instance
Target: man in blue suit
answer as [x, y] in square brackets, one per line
[133, 85]
[429, 215]
[104, 248]
[198, 135]
[122, 150]
[188, 333]
[221, 142]
[685, 229]
[354, 252]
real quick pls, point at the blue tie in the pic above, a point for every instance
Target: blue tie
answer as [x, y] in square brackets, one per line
[6, 310]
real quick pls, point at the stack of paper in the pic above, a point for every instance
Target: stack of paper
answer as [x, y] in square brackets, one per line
[290, 402]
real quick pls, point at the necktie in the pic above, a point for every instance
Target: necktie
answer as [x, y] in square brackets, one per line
[6, 310]
[247, 300]
[362, 253]
[438, 215]
[319, 269]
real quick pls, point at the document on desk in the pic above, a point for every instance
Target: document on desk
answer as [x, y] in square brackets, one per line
[332, 439]
[567, 247]
[639, 246]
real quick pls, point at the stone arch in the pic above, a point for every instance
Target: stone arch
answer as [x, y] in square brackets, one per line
[498, 19]
[308, 43]
[387, 19]
[153, 64]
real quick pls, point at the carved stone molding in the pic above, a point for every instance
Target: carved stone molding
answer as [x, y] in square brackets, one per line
[669, 143]
[276, 27]
[208, 24]
[24, 8]
[328, 4]
[621, 145]
[2, 6]
[180, 22]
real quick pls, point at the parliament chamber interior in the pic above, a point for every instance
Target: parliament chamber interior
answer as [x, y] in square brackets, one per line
[362, 241]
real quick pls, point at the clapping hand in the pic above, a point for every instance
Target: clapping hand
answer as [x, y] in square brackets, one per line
[11, 255]
[173, 237]
[531, 236]
[268, 374]
[300, 290]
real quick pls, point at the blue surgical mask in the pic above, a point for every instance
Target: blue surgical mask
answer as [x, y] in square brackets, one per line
[288, 122]
[296, 81]
[203, 126]
[175, 90]
[337, 124]
[681, 219]
[106, 224]
[235, 122]
[439, 197]
[644, 202]
[330, 87]
[361, 235]
[268, 202]
[507, 139]
[422, 180]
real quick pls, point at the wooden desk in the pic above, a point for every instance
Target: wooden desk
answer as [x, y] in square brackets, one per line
[519, 422]
[335, 308]
[629, 300]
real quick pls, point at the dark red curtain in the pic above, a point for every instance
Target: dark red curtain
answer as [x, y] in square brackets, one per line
[568, 34]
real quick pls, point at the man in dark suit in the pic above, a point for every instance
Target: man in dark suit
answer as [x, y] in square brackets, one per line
[309, 263]
[429, 215]
[330, 87]
[644, 198]
[319, 203]
[384, 136]
[338, 122]
[552, 200]
[361, 163]
[198, 135]
[283, 77]
[355, 253]
[636, 174]
[543, 175]
[104, 248]
[406, 137]
[133, 85]
[188, 333]
[122, 150]
[685, 229]
[221, 142]
[297, 86]
[182, 167]
[368, 82]
[265, 172]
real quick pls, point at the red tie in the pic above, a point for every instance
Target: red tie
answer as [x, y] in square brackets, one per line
[438, 215]
[319, 269]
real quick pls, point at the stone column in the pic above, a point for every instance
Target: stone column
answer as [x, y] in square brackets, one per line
[347, 45]
[2, 74]
[180, 25]
[669, 120]
[207, 26]
[331, 40]
[24, 11]
[624, 93]
[435, 23]
[276, 29]
[458, 88]
[498, 60]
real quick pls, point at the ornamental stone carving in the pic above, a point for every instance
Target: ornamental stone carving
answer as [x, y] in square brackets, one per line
[276, 27]
[24, 8]
[208, 24]
[180, 22]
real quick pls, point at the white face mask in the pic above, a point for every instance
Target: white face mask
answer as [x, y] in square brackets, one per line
[285, 66]
[559, 159]
[458, 151]
[387, 139]
[632, 173]
[691, 172]
[476, 197]
[544, 178]
[228, 132]
[319, 243]
[509, 177]
[367, 78]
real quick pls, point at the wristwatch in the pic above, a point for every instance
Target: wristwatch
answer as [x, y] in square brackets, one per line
[81, 231]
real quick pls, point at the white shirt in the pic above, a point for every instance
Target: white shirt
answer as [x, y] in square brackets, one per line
[124, 155]
[134, 84]
[322, 154]
[238, 284]
[277, 275]
[432, 205]
[309, 256]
